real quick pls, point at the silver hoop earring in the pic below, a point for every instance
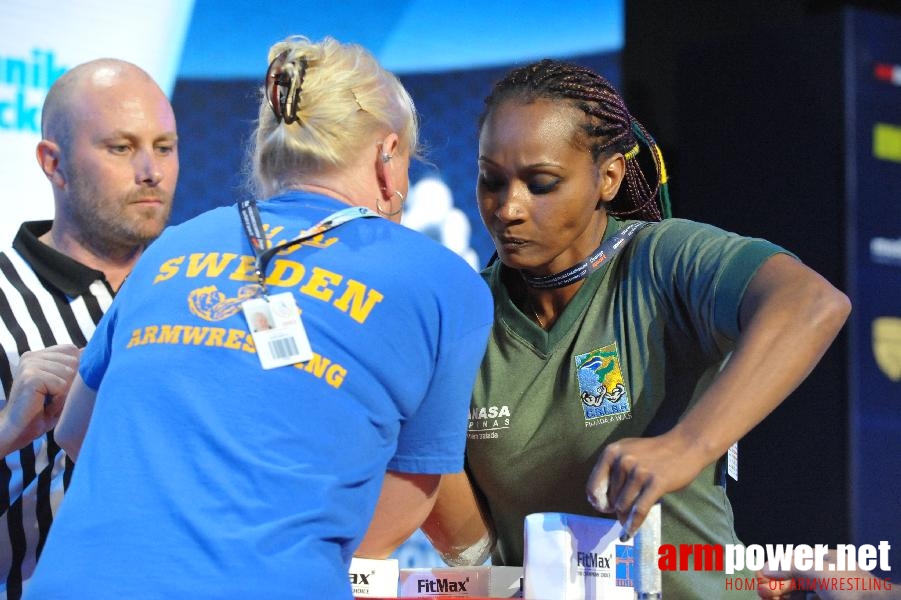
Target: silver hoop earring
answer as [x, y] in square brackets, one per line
[384, 213]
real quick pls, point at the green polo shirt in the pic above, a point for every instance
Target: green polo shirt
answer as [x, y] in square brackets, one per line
[631, 353]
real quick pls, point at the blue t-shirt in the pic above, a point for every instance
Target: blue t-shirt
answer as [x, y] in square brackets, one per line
[203, 475]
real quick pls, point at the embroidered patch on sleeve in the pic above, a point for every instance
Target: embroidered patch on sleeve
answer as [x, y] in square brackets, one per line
[601, 386]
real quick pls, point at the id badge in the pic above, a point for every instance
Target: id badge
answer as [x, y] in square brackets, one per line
[277, 331]
[732, 461]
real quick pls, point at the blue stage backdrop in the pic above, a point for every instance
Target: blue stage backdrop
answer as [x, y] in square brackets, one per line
[874, 268]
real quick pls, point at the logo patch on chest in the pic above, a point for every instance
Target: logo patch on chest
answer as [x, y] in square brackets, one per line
[488, 422]
[601, 387]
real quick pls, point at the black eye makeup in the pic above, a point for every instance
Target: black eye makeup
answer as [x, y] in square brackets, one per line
[543, 184]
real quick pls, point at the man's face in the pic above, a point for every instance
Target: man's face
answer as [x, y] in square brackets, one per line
[120, 164]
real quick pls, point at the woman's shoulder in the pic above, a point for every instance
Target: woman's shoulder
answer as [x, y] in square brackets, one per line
[419, 248]
[680, 226]
[677, 235]
[673, 242]
[200, 222]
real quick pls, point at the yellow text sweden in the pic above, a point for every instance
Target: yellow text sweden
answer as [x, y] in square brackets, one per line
[347, 295]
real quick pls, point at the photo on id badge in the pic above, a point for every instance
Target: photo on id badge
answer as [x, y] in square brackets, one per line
[277, 330]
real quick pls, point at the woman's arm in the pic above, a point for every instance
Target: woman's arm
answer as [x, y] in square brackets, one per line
[404, 503]
[456, 526]
[76, 415]
[789, 316]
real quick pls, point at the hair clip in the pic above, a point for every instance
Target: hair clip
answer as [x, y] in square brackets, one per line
[283, 88]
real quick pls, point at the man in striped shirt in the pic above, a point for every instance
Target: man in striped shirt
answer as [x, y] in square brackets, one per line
[109, 151]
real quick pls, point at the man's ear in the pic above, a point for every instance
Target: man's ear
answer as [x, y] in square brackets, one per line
[49, 157]
[611, 172]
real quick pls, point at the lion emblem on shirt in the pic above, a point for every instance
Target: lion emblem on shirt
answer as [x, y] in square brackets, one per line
[210, 304]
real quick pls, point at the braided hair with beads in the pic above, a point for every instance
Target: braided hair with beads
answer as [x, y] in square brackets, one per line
[608, 127]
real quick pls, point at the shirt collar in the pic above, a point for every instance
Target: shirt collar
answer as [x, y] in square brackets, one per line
[60, 270]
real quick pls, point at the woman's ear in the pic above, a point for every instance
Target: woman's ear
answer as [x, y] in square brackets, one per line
[611, 170]
[389, 144]
[383, 164]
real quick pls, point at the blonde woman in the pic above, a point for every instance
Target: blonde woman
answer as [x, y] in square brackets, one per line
[223, 462]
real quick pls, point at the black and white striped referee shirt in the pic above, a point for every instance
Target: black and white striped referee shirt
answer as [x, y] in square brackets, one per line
[46, 298]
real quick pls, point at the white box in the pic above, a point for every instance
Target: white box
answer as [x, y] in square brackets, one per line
[485, 581]
[575, 557]
[374, 578]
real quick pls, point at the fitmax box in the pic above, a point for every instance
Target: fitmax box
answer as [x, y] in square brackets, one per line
[575, 557]
[484, 581]
[373, 578]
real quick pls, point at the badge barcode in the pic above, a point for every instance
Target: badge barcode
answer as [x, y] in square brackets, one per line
[282, 347]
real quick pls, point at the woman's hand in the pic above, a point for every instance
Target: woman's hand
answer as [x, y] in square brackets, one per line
[632, 474]
[457, 527]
